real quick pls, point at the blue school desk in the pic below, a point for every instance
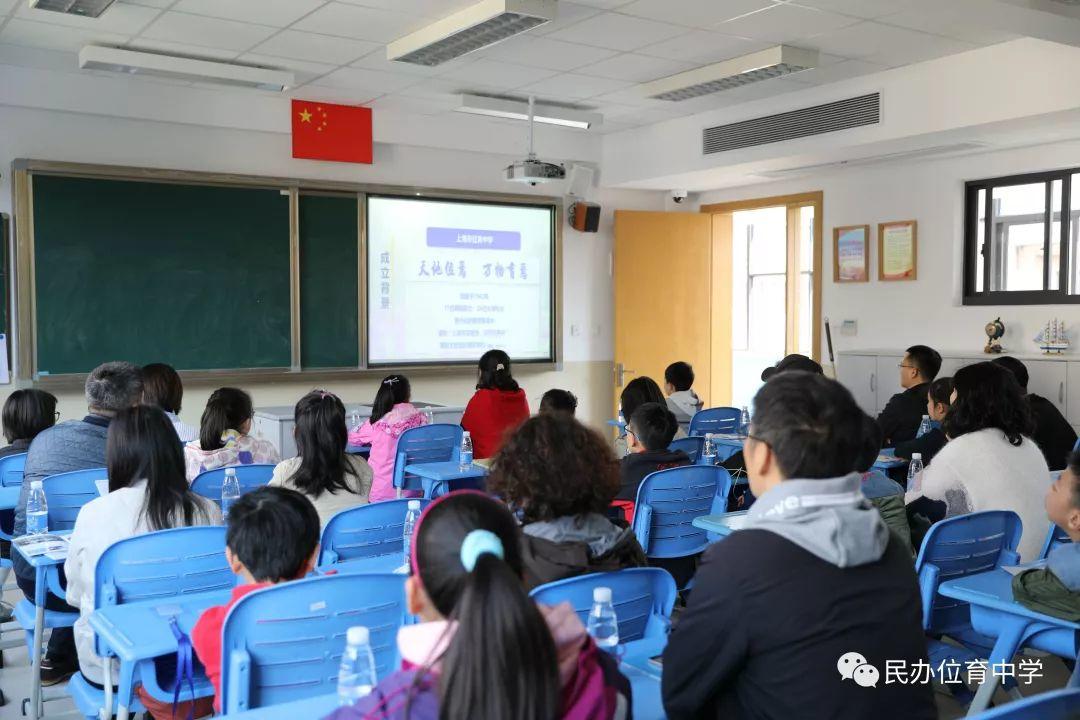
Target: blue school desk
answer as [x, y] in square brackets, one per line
[45, 573]
[441, 477]
[376, 564]
[723, 524]
[727, 445]
[362, 450]
[995, 614]
[645, 687]
[887, 460]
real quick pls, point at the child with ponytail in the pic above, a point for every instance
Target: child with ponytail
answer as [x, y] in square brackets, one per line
[392, 413]
[484, 650]
[498, 405]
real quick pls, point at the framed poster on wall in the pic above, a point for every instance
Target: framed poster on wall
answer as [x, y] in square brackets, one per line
[851, 254]
[898, 250]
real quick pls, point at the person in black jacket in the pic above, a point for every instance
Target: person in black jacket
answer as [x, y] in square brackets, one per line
[1053, 433]
[650, 431]
[938, 399]
[796, 614]
[902, 415]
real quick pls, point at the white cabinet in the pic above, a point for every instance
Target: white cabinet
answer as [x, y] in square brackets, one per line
[1048, 378]
[949, 366]
[858, 374]
[1072, 394]
[888, 379]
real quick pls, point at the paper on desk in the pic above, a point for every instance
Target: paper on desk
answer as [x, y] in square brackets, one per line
[49, 545]
[1017, 569]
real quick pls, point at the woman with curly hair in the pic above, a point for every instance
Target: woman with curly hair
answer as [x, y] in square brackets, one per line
[559, 477]
[990, 461]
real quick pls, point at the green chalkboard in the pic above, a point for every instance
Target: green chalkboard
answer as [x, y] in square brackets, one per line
[329, 281]
[193, 275]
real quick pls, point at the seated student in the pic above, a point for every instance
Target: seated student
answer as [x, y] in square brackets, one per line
[273, 537]
[392, 413]
[792, 362]
[886, 494]
[483, 649]
[558, 401]
[223, 436]
[648, 434]
[990, 462]
[681, 400]
[1055, 589]
[637, 392]
[498, 405]
[902, 415]
[162, 388]
[147, 492]
[1053, 433]
[331, 479]
[938, 399]
[559, 477]
[814, 575]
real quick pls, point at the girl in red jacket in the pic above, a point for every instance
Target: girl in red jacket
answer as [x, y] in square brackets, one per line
[498, 406]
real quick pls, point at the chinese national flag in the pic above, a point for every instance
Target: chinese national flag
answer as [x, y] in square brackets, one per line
[322, 131]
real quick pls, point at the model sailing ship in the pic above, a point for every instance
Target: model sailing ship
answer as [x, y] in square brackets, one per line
[1053, 340]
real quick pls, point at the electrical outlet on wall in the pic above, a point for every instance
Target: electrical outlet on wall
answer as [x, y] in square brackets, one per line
[849, 327]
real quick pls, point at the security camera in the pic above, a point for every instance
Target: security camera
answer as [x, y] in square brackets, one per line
[679, 195]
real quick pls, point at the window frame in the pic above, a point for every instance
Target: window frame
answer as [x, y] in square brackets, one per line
[972, 251]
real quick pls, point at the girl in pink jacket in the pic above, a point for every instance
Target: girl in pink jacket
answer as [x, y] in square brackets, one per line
[391, 415]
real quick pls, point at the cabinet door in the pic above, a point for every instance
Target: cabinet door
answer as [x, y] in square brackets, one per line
[888, 379]
[950, 365]
[856, 373]
[1048, 378]
[1072, 393]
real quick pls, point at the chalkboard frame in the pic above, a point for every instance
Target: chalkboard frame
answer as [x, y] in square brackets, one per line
[23, 319]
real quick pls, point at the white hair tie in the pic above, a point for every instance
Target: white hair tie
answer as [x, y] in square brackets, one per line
[500, 366]
[477, 543]
[390, 381]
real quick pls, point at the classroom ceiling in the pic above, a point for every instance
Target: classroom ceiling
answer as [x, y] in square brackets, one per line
[594, 55]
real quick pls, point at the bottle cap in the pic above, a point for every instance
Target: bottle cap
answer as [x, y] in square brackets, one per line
[466, 433]
[35, 484]
[601, 595]
[358, 635]
[230, 471]
[414, 505]
[925, 417]
[916, 456]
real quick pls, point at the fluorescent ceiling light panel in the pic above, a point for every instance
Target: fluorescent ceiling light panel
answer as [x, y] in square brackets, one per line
[134, 62]
[519, 110]
[85, 8]
[733, 73]
[477, 26]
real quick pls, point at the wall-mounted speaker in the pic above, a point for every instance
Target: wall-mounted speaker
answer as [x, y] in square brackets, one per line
[585, 216]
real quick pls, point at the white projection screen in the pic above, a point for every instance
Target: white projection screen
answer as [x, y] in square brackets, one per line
[448, 280]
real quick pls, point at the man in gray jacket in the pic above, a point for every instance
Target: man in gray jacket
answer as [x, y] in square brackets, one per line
[69, 446]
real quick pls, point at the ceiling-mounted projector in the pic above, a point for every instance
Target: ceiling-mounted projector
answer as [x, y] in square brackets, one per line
[532, 170]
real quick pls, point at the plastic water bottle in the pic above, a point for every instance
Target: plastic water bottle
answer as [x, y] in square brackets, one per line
[356, 675]
[429, 417]
[412, 514]
[708, 450]
[603, 626]
[914, 473]
[354, 421]
[37, 510]
[230, 492]
[466, 451]
[924, 426]
[744, 421]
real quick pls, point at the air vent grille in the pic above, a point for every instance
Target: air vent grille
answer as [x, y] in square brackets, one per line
[86, 8]
[817, 120]
[467, 40]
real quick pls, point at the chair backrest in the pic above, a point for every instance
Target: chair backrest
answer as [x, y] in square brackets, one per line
[1076, 446]
[689, 445]
[669, 500]
[642, 597]
[715, 420]
[1056, 536]
[958, 547]
[440, 442]
[66, 493]
[365, 531]
[1053, 705]
[11, 470]
[208, 484]
[285, 642]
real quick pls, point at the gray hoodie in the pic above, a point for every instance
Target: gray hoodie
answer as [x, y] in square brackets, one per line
[831, 519]
[684, 403]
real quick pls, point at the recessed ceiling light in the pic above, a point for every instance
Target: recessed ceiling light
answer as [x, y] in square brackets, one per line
[736, 72]
[519, 110]
[84, 8]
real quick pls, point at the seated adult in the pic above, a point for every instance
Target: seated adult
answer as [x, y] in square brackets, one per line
[1053, 433]
[163, 388]
[813, 578]
[69, 446]
[990, 461]
[559, 477]
[224, 439]
[792, 362]
[903, 414]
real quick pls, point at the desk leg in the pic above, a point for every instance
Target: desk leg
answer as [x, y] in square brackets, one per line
[106, 710]
[123, 713]
[35, 666]
[1006, 646]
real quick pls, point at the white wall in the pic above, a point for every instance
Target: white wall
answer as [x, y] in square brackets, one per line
[587, 301]
[927, 310]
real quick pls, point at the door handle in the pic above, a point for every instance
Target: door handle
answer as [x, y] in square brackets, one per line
[1061, 392]
[620, 372]
[873, 382]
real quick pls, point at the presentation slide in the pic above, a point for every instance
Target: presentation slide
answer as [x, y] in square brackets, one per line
[448, 280]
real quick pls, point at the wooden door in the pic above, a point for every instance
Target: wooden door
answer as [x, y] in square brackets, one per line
[663, 277]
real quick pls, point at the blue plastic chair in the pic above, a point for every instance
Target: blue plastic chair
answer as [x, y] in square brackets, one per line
[163, 564]
[1076, 446]
[66, 494]
[284, 643]
[11, 477]
[440, 442]
[1054, 537]
[1054, 705]
[643, 599]
[208, 484]
[689, 445]
[667, 503]
[715, 420]
[365, 531]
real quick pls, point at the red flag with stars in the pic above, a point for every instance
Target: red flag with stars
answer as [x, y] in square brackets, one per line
[323, 131]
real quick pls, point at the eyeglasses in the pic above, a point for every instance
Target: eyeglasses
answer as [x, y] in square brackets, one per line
[902, 365]
[56, 415]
